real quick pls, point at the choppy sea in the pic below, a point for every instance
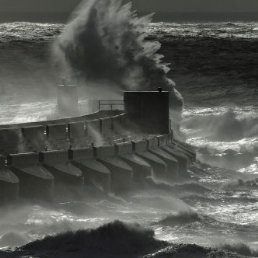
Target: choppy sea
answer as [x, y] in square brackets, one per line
[215, 214]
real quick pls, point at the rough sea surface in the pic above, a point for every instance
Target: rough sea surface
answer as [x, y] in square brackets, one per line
[215, 214]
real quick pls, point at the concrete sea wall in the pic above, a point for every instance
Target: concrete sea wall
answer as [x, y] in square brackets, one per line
[109, 168]
[108, 151]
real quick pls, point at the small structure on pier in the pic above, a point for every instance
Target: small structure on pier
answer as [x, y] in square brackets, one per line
[67, 99]
[148, 110]
[110, 150]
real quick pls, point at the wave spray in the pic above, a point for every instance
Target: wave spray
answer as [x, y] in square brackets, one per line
[105, 44]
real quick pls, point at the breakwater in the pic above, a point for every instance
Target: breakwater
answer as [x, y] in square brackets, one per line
[103, 150]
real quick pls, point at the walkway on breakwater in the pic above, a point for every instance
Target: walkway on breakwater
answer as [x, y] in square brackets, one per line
[110, 151]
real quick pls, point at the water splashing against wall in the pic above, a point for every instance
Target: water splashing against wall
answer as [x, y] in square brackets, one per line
[106, 42]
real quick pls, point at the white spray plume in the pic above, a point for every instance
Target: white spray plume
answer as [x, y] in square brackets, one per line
[105, 41]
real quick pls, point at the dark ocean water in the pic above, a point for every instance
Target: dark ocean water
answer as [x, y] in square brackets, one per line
[214, 215]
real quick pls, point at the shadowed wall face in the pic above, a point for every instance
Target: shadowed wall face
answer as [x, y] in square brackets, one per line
[148, 110]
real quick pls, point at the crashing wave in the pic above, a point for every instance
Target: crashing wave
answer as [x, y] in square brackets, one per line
[228, 126]
[115, 239]
[105, 42]
[119, 240]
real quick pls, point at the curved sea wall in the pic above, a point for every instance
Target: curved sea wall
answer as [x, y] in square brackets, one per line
[104, 151]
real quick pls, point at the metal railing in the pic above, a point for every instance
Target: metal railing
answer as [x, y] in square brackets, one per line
[111, 105]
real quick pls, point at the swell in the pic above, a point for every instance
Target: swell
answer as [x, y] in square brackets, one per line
[240, 248]
[227, 126]
[180, 219]
[226, 68]
[115, 239]
[118, 239]
[193, 251]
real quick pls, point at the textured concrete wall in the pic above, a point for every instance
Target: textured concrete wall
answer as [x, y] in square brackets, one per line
[2, 161]
[124, 148]
[82, 154]
[57, 132]
[163, 160]
[119, 123]
[106, 125]
[37, 132]
[105, 151]
[23, 159]
[140, 146]
[10, 140]
[54, 157]
[93, 127]
[76, 130]
[163, 140]
[153, 143]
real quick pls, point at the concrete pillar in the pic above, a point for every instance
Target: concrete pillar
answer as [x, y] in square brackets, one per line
[93, 128]
[106, 126]
[76, 130]
[11, 141]
[34, 138]
[141, 169]
[58, 163]
[121, 172]
[119, 123]
[95, 173]
[57, 136]
[9, 184]
[183, 160]
[35, 180]
[77, 135]
[186, 149]
[171, 162]
[140, 148]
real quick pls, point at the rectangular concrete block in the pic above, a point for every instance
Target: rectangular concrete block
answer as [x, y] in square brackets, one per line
[10, 140]
[148, 111]
[2, 161]
[76, 130]
[35, 132]
[140, 146]
[23, 160]
[153, 143]
[93, 127]
[119, 122]
[34, 138]
[105, 151]
[57, 132]
[106, 125]
[7, 133]
[54, 157]
[124, 148]
[170, 137]
[163, 140]
[82, 154]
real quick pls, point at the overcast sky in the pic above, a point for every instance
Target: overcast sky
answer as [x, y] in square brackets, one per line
[143, 5]
[13, 7]
[198, 5]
